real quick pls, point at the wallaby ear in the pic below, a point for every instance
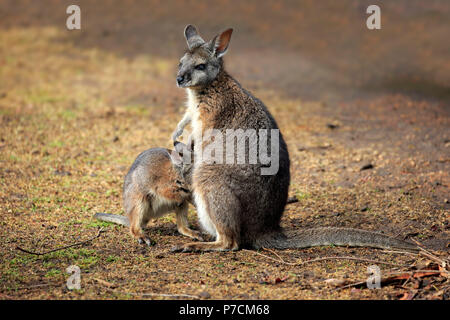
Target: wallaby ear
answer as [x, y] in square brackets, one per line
[221, 42]
[193, 39]
[190, 31]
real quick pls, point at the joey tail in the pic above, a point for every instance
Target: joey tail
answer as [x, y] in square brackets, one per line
[114, 218]
[331, 236]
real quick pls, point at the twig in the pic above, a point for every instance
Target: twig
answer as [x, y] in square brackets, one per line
[5, 296]
[105, 283]
[414, 272]
[263, 255]
[38, 286]
[407, 280]
[153, 294]
[62, 248]
[349, 285]
[144, 294]
[400, 252]
[410, 273]
[442, 263]
[328, 258]
[430, 255]
[353, 258]
[278, 256]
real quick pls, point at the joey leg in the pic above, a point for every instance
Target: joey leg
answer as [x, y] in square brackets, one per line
[139, 218]
[183, 226]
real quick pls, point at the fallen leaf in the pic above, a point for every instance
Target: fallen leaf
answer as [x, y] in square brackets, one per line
[425, 274]
[408, 295]
[279, 280]
[105, 283]
[444, 272]
[336, 282]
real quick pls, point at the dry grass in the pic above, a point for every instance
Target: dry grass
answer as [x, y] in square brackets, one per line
[73, 119]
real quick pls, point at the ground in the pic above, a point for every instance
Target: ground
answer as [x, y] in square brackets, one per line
[365, 116]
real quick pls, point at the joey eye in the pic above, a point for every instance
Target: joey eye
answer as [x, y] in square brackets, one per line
[200, 67]
[179, 65]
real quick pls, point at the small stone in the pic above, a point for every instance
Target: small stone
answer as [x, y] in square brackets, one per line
[367, 167]
[336, 214]
[62, 173]
[204, 295]
[292, 200]
[335, 282]
[332, 126]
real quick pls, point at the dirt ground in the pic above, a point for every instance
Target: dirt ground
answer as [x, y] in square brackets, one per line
[366, 115]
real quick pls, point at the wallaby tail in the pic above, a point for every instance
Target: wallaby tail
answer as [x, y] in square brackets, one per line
[114, 218]
[332, 236]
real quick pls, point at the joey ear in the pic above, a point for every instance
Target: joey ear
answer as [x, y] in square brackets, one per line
[193, 39]
[176, 159]
[220, 43]
[180, 147]
[190, 144]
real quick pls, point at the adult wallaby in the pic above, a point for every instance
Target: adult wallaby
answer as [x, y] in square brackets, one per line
[236, 203]
[156, 184]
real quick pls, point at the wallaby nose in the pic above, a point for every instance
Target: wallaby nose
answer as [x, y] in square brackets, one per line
[180, 79]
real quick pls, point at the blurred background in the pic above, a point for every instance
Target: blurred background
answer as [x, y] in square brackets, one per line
[309, 49]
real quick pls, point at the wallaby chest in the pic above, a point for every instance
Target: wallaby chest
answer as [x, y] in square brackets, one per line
[192, 110]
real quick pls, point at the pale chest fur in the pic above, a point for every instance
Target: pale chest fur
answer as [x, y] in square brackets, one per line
[194, 114]
[196, 124]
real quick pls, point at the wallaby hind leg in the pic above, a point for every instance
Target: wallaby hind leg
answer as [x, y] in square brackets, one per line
[182, 223]
[218, 215]
[139, 215]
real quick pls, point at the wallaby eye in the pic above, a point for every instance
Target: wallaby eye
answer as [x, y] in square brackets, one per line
[200, 67]
[179, 65]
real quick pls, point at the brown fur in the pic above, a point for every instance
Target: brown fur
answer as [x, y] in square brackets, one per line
[153, 187]
[235, 203]
[225, 194]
